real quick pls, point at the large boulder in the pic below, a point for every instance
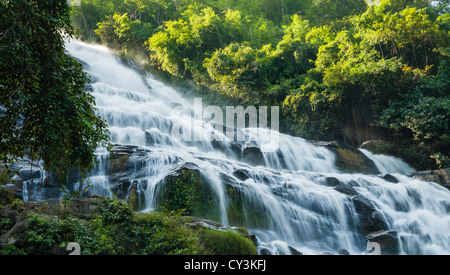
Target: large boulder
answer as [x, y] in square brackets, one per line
[349, 159]
[185, 188]
[253, 155]
[370, 218]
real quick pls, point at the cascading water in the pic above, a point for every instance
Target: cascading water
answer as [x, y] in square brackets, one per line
[292, 191]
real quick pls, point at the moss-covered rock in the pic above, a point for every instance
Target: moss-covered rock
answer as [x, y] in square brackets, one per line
[186, 189]
[227, 242]
[350, 159]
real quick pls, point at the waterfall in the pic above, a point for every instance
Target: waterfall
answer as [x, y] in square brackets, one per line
[302, 200]
[389, 164]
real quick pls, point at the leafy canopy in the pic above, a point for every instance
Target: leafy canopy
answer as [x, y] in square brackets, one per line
[44, 107]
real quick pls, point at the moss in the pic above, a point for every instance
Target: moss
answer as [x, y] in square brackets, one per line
[190, 192]
[243, 211]
[226, 243]
[351, 160]
[118, 164]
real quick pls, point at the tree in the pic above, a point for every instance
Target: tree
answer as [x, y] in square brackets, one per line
[43, 104]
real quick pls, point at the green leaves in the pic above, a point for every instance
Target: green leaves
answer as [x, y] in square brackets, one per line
[44, 105]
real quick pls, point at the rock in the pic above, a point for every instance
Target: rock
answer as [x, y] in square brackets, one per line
[185, 188]
[389, 178]
[349, 191]
[388, 241]
[294, 251]
[343, 252]
[88, 88]
[265, 252]
[243, 210]
[29, 173]
[441, 176]
[253, 155]
[330, 181]
[370, 218]
[349, 159]
[241, 174]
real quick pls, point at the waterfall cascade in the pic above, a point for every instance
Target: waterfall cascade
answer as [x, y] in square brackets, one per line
[309, 204]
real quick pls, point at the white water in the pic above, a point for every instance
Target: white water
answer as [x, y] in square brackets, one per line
[389, 164]
[304, 212]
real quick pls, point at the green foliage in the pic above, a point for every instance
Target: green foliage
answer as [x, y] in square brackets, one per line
[5, 225]
[346, 70]
[165, 234]
[41, 236]
[116, 230]
[11, 250]
[44, 107]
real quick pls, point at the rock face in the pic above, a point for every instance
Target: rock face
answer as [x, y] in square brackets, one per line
[441, 176]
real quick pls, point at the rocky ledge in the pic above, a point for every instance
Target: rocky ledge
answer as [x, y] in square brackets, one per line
[441, 176]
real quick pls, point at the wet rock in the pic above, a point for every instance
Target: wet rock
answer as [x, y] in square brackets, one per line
[253, 155]
[29, 173]
[241, 174]
[265, 252]
[441, 176]
[343, 252]
[349, 159]
[370, 218]
[388, 241]
[347, 190]
[389, 178]
[294, 251]
[330, 181]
